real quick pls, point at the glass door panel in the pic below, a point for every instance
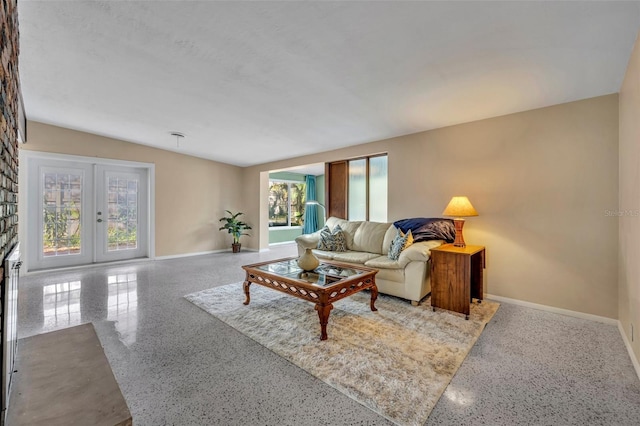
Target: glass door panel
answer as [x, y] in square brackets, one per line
[62, 211]
[121, 204]
[58, 199]
[122, 210]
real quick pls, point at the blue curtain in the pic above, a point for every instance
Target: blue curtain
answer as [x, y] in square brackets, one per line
[311, 210]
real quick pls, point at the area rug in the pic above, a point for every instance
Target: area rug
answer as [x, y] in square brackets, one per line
[396, 361]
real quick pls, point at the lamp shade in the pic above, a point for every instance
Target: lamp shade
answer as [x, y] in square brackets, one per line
[459, 207]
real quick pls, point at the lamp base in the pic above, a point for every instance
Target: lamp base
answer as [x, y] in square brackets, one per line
[459, 241]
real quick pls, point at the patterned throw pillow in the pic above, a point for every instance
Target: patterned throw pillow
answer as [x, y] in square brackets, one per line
[332, 240]
[399, 243]
[325, 241]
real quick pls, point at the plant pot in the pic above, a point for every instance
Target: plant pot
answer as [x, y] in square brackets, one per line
[235, 247]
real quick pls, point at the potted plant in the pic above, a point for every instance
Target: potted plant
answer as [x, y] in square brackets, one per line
[235, 227]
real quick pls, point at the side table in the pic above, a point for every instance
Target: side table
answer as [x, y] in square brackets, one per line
[456, 277]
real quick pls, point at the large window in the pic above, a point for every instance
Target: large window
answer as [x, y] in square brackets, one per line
[286, 203]
[378, 188]
[367, 188]
[357, 188]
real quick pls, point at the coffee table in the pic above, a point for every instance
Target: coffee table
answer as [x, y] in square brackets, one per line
[329, 282]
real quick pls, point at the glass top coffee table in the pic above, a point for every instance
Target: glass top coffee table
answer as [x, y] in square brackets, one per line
[329, 282]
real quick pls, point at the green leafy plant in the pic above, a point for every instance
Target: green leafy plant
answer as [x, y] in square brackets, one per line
[234, 226]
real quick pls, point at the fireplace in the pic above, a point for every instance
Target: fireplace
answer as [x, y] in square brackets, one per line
[9, 293]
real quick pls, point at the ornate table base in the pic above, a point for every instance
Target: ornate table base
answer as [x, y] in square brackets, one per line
[313, 287]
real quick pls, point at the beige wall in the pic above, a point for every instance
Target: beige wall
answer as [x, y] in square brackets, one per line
[541, 181]
[629, 245]
[191, 194]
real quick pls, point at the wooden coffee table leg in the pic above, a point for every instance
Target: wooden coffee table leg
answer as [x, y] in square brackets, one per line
[246, 285]
[323, 313]
[374, 296]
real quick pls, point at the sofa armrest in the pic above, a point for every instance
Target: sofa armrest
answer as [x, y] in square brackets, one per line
[419, 251]
[308, 240]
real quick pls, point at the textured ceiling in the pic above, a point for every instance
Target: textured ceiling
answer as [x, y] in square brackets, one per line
[251, 82]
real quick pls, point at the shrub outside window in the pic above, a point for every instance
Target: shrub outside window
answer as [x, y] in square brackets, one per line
[286, 203]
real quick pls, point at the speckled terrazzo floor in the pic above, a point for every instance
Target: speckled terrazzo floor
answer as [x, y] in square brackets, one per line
[177, 365]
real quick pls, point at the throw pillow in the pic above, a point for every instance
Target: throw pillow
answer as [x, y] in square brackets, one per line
[332, 240]
[325, 239]
[399, 243]
[339, 239]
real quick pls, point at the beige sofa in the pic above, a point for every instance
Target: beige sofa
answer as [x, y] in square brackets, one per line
[368, 244]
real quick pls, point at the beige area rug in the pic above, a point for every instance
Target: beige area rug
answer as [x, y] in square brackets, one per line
[397, 361]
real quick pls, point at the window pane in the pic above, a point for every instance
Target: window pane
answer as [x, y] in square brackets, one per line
[378, 189]
[278, 204]
[122, 225]
[61, 213]
[297, 203]
[358, 189]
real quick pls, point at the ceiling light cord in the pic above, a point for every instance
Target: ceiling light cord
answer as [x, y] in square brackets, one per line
[178, 136]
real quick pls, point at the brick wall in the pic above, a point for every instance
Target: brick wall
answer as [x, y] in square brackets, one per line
[9, 95]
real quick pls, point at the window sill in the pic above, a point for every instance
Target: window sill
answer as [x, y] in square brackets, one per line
[283, 228]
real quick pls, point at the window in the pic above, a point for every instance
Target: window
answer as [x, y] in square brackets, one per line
[357, 189]
[286, 203]
[378, 188]
[367, 189]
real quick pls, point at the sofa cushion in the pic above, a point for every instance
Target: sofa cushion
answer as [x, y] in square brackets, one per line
[322, 254]
[354, 256]
[388, 239]
[369, 237]
[399, 243]
[349, 229]
[333, 221]
[383, 262]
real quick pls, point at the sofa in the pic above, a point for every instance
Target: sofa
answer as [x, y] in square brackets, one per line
[367, 243]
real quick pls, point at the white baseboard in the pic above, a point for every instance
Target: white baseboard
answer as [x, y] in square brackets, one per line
[90, 265]
[582, 315]
[200, 253]
[632, 355]
[146, 259]
[553, 309]
[281, 243]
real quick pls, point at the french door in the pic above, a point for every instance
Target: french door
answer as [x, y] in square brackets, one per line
[81, 213]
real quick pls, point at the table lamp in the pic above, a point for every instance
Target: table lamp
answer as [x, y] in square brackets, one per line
[459, 207]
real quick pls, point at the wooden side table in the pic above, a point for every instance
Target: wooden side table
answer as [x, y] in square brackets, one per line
[456, 277]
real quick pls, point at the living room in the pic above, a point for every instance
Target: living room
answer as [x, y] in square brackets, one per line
[555, 186]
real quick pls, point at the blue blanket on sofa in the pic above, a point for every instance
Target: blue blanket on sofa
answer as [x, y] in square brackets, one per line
[425, 229]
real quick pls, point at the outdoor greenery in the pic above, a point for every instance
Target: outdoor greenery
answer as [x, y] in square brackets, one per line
[122, 237]
[286, 203]
[62, 214]
[61, 229]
